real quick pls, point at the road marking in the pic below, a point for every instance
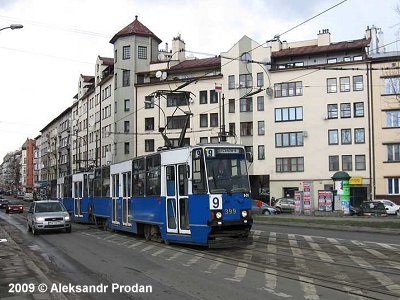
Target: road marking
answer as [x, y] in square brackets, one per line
[135, 244]
[240, 272]
[321, 254]
[176, 255]
[147, 248]
[158, 252]
[256, 234]
[344, 249]
[215, 265]
[383, 256]
[387, 246]
[358, 243]
[194, 260]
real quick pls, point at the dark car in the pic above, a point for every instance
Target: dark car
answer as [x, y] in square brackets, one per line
[15, 208]
[4, 203]
[372, 208]
[355, 211]
[283, 205]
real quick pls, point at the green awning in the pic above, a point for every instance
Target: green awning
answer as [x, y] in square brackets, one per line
[340, 176]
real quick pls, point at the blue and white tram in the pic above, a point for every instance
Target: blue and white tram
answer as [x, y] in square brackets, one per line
[196, 195]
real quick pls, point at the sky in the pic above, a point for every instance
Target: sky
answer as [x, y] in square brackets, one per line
[61, 39]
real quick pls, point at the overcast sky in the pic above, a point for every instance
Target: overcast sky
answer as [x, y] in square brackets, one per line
[40, 64]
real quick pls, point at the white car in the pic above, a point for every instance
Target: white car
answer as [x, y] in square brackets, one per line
[391, 207]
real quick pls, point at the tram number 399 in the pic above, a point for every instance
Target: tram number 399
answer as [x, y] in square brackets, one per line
[230, 211]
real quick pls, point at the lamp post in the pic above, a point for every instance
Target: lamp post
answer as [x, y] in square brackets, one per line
[12, 27]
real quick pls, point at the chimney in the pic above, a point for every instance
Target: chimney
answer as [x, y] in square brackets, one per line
[178, 48]
[324, 37]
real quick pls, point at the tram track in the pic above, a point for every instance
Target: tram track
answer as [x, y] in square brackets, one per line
[233, 258]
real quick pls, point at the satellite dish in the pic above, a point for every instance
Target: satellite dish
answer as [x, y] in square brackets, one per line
[161, 56]
[269, 92]
[164, 75]
[158, 74]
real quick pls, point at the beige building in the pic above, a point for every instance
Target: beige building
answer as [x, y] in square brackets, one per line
[385, 120]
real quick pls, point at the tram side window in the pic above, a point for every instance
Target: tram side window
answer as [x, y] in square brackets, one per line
[183, 180]
[97, 183]
[85, 185]
[153, 178]
[105, 182]
[139, 177]
[198, 175]
[68, 186]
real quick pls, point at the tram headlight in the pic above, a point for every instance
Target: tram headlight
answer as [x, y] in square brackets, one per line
[244, 213]
[218, 215]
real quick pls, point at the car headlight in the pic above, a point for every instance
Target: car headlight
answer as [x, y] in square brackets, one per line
[39, 219]
[244, 213]
[66, 218]
[218, 215]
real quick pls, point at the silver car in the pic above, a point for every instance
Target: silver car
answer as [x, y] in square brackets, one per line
[48, 215]
[261, 208]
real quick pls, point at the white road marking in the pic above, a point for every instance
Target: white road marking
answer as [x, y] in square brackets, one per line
[135, 244]
[215, 265]
[194, 260]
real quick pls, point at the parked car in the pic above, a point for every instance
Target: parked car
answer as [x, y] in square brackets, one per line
[20, 195]
[355, 211]
[284, 205]
[14, 208]
[48, 215]
[373, 208]
[28, 196]
[261, 208]
[4, 203]
[391, 207]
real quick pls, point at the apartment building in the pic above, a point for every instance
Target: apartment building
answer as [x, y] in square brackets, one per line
[26, 166]
[385, 120]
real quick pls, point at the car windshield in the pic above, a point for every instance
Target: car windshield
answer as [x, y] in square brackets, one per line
[49, 207]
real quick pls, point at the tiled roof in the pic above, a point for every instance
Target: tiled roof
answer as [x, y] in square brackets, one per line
[306, 50]
[108, 61]
[198, 63]
[135, 28]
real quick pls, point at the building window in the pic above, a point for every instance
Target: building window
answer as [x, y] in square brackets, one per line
[115, 56]
[359, 135]
[246, 104]
[149, 123]
[232, 129]
[357, 58]
[231, 105]
[289, 139]
[290, 164]
[331, 85]
[346, 136]
[393, 186]
[203, 140]
[214, 120]
[260, 79]
[288, 89]
[393, 118]
[203, 120]
[261, 152]
[245, 81]
[214, 140]
[261, 128]
[347, 58]
[393, 151]
[213, 96]
[177, 122]
[149, 102]
[285, 114]
[126, 78]
[149, 145]
[392, 86]
[347, 164]
[331, 60]
[333, 138]
[332, 111]
[115, 81]
[260, 103]
[360, 162]
[203, 97]
[126, 126]
[358, 109]
[127, 105]
[231, 82]
[358, 84]
[344, 84]
[246, 128]
[126, 148]
[126, 52]
[334, 163]
[345, 110]
[142, 52]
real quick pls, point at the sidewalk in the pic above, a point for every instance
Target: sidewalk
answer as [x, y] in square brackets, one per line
[16, 268]
[390, 225]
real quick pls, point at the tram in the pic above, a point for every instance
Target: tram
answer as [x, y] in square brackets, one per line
[195, 195]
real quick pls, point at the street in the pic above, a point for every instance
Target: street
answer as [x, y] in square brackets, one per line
[283, 262]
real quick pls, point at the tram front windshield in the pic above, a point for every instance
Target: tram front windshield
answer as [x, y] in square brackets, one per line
[227, 170]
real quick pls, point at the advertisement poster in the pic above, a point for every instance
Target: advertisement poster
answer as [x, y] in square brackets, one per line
[345, 198]
[297, 202]
[325, 200]
[307, 198]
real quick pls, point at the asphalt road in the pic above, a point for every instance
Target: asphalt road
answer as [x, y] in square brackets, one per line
[283, 262]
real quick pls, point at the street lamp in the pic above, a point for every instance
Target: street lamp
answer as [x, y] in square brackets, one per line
[12, 27]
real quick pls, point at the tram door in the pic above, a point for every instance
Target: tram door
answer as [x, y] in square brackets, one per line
[77, 192]
[115, 197]
[126, 194]
[177, 199]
